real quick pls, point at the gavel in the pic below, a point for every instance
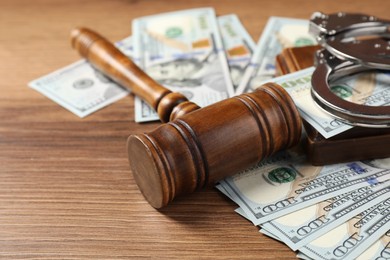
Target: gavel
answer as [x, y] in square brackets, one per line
[196, 146]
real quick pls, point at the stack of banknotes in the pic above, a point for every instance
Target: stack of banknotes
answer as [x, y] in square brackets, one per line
[331, 212]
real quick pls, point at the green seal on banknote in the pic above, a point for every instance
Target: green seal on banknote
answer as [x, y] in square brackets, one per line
[173, 32]
[282, 175]
[303, 41]
[341, 91]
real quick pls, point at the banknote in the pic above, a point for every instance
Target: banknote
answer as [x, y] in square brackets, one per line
[350, 239]
[80, 88]
[368, 88]
[183, 51]
[301, 227]
[279, 33]
[238, 44]
[298, 85]
[380, 250]
[271, 190]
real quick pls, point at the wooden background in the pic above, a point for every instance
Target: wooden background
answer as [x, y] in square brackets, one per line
[66, 191]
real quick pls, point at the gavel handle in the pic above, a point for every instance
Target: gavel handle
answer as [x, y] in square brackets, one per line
[105, 57]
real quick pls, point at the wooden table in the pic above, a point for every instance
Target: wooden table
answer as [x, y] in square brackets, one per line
[66, 191]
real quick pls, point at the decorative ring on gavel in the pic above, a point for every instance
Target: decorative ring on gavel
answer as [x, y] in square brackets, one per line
[352, 43]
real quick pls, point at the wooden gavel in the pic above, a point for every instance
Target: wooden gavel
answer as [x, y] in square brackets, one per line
[198, 146]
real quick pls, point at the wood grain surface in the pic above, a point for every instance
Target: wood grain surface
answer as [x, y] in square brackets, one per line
[66, 191]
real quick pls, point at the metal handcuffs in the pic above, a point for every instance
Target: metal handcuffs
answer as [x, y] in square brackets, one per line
[351, 43]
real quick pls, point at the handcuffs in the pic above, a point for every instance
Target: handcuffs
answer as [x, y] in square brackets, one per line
[352, 43]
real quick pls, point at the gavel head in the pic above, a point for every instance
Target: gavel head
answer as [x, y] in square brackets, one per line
[213, 142]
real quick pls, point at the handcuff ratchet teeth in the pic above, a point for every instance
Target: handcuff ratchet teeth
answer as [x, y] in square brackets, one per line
[352, 43]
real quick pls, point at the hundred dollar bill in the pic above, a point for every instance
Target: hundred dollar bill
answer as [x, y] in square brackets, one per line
[80, 88]
[238, 44]
[369, 88]
[380, 250]
[352, 238]
[279, 33]
[298, 85]
[301, 227]
[271, 190]
[183, 51]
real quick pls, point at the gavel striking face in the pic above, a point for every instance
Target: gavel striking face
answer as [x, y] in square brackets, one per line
[198, 146]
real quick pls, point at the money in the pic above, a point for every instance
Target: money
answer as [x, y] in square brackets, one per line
[323, 228]
[298, 85]
[183, 51]
[369, 88]
[352, 238]
[270, 190]
[279, 33]
[238, 44]
[80, 88]
[379, 250]
[301, 227]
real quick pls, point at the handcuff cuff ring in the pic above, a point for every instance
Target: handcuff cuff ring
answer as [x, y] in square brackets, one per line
[353, 43]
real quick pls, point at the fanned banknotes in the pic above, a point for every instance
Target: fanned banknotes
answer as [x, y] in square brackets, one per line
[378, 250]
[183, 51]
[301, 227]
[80, 88]
[353, 210]
[279, 33]
[352, 238]
[271, 190]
